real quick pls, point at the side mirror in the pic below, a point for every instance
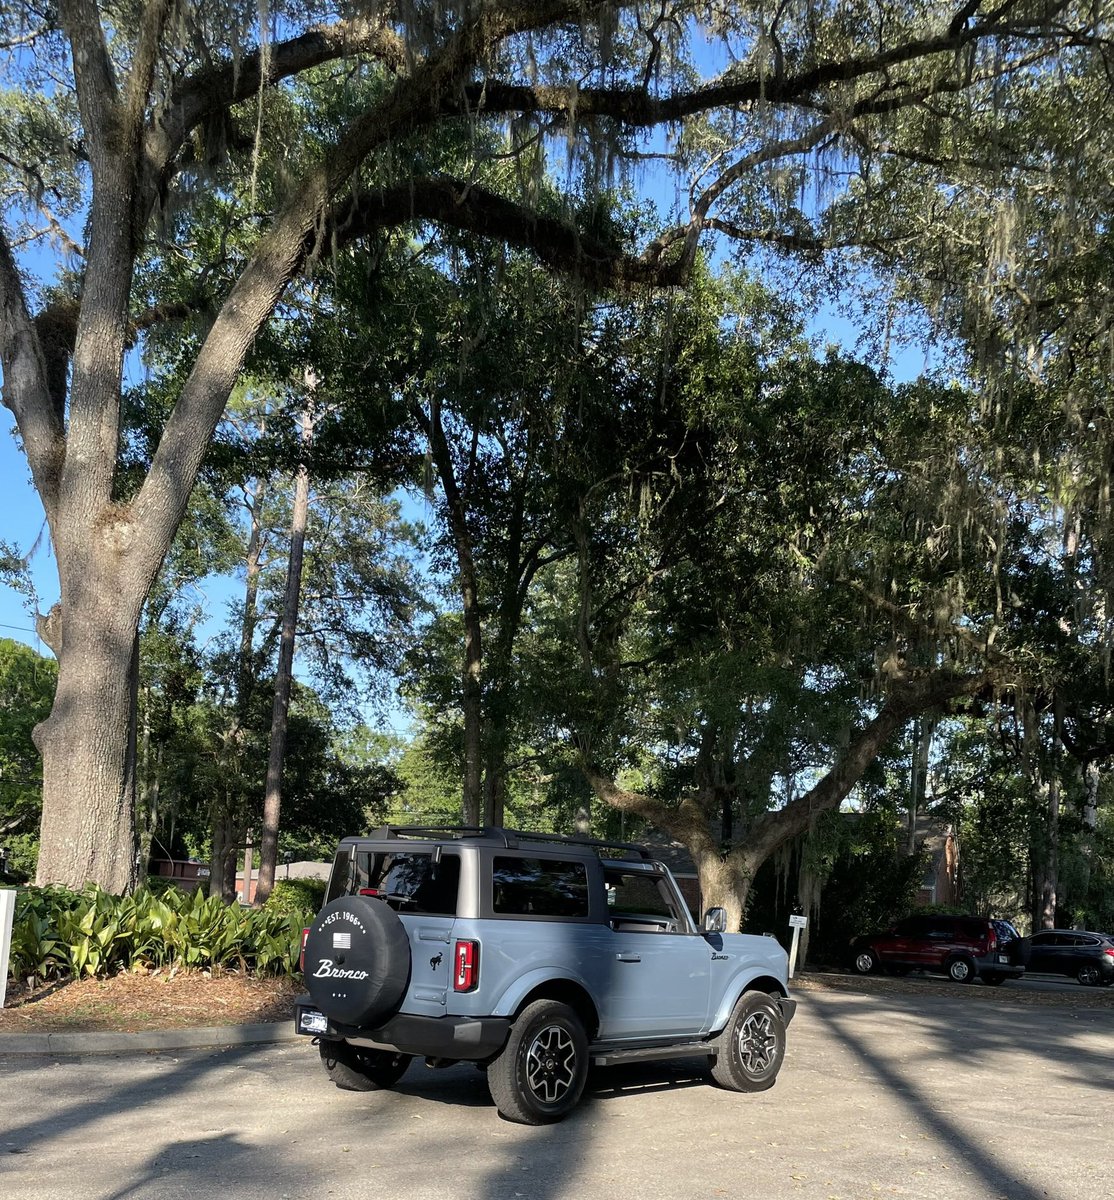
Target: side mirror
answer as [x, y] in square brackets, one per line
[715, 921]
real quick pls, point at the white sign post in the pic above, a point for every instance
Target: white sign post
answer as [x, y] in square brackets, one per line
[7, 916]
[796, 923]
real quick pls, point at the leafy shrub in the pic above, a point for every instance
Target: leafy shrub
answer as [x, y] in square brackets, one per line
[297, 895]
[59, 933]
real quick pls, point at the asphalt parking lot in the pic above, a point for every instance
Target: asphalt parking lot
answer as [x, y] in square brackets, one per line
[910, 1095]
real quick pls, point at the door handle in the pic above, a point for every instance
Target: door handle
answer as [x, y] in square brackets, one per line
[629, 957]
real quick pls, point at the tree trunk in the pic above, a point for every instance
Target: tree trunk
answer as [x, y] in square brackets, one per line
[272, 798]
[88, 822]
[472, 799]
[222, 817]
[724, 883]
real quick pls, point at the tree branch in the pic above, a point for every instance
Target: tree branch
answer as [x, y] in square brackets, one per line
[634, 107]
[468, 206]
[26, 384]
[94, 78]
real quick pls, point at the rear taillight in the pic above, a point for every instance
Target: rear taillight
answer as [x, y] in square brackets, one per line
[466, 972]
[1108, 951]
[302, 955]
[993, 945]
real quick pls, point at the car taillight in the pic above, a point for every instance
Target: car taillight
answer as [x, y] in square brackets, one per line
[466, 957]
[302, 955]
[993, 942]
[1108, 951]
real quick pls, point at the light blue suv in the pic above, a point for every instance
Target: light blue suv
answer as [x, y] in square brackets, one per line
[534, 956]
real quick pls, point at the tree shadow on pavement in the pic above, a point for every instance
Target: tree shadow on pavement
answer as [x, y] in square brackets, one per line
[960, 1037]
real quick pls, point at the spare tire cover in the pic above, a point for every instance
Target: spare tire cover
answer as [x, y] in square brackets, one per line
[357, 962]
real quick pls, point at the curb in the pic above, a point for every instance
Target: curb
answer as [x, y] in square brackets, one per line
[147, 1041]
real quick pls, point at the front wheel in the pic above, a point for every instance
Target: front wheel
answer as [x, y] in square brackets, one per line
[961, 970]
[865, 961]
[540, 1074]
[358, 1070]
[753, 1045]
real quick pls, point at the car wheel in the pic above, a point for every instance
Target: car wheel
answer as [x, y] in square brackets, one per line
[994, 979]
[753, 1045]
[865, 961]
[539, 1076]
[358, 1070]
[960, 970]
[357, 960]
[1089, 975]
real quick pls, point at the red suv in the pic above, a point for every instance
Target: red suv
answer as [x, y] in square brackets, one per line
[962, 948]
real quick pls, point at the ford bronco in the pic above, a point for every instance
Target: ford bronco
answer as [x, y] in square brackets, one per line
[533, 956]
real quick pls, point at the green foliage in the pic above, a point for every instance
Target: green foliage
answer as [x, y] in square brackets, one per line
[27, 683]
[59, 933]
[867, 890]
[296, 896]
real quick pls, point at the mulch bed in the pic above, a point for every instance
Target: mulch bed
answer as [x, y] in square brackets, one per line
[133, 1002]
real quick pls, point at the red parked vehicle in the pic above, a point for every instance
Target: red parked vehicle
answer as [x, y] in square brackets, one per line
[963, 948]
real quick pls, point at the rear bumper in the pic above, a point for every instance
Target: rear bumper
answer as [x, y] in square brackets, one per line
[467, 1039]
[990, 964]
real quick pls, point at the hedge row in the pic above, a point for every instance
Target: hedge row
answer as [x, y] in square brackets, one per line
[59, 933]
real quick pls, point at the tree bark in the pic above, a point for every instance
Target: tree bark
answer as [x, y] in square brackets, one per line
[272, 798]
[88, 827]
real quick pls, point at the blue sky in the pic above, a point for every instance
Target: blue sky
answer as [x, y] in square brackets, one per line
[21, 522]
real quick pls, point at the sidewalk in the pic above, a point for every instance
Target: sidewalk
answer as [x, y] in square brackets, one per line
[150, 1040]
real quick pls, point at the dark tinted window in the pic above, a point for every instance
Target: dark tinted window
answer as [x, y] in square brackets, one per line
[539, 887]
[408, 881]
[1042, 939]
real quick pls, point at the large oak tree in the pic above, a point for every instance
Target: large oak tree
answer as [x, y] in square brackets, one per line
[127, 113]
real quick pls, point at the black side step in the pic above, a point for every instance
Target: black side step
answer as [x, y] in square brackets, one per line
[608, 1056]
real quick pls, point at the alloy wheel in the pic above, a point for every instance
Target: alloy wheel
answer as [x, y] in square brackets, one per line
[757, 1043]
[551, 1064]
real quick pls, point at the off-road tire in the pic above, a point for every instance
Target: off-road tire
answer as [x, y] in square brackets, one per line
[753, 1045]
[539, 1075]
[357, 961]
[356, 1069]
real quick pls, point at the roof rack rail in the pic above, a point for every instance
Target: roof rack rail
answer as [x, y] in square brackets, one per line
[629, 848]
[509, 838]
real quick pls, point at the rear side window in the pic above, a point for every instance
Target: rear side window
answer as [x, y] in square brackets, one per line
[539, 887]
[409, 882]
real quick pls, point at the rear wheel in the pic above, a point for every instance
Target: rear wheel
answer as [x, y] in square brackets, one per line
[753, 1045]
[540, 1074]
[1089, 975]
[358, 1070]
[994, 979]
